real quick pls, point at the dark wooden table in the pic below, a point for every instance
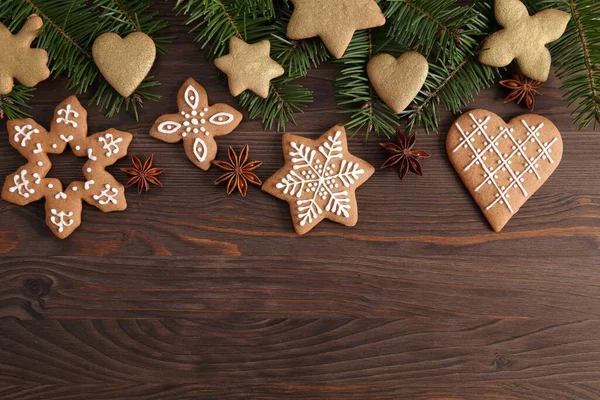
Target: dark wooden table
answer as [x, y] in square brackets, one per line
[194, 294]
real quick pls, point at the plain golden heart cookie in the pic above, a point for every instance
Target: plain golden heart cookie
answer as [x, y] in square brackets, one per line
[398, 80]
[124, 63]
[503, 164]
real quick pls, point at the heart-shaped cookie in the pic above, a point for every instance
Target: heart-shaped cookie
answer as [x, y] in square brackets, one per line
[124, 63]
[503, 164]
[398, 80]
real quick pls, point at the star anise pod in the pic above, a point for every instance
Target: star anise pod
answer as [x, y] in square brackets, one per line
[521, 88]
[238, 171]
[143, 174]
[403, 155]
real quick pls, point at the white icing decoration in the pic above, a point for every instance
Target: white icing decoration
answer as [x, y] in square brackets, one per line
[89, 169]
[65, 139]
[107, 195]
[74, 188]
[54, 145]
[38, 149]
[61, 219]
[23, 134]
[61, 195]
[78, 147]
[67, 112]
[50, 186]
[91, 155]
[320, 176]
[221, 118]
[191, 97]
[110, 144]
[21, 185]
[200, 149]
[505, 162]
[40, 164]
[87, 184]
[38, 178]
[169, 127]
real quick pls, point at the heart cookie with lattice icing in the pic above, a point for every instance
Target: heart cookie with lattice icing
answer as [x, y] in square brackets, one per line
[503, 164]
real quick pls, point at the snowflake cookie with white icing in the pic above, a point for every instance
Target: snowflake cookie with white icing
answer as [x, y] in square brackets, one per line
[319, 179]
[30, 183]
[503, 164]
[197, 124]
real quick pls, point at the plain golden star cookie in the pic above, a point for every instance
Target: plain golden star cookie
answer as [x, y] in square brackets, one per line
[503, 164]
[398, 80]
[197, 123]
[334, 21]
[319, 179]
[124, 62]
[30, 182]
[249, 67]
[18, 60]
[524, 38]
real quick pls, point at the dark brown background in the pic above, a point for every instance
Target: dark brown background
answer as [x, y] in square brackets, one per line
[194, 294]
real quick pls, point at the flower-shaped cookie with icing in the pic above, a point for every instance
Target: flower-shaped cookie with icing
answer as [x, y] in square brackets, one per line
[197, 124]
[30, 183]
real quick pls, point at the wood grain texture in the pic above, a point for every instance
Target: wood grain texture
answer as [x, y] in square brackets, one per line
[194, 294]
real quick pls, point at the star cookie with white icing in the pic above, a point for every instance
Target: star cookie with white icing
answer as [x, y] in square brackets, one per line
[197, 124]
[319, 179]
[335, 21]
[249, 67]
[30, 182]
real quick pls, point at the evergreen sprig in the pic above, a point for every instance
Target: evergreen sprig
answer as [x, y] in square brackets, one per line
[577, 57]
[448, 33]
[13, 105]
[70, 28]
[215, 21]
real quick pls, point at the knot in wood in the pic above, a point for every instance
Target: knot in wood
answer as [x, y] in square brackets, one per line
[37, 287]
[502, 361]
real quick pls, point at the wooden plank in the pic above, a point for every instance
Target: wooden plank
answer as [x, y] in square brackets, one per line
[368, 286]
[335, 358]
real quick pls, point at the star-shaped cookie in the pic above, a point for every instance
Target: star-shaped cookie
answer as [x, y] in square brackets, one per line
[319, 179]
[249, 67]
[335, 21]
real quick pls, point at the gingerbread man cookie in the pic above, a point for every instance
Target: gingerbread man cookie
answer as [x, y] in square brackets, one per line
[18, 60]
[30, 182]
[524, 38]
[197, 124]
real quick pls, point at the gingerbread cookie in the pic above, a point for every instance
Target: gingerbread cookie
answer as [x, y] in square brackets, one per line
[398, 80]
[124, 62]
[18, 60]
[524, 38]
[30, 182]
[334, 21]
[197, 124]
[249, 67]
[319, 179]
[503, 164]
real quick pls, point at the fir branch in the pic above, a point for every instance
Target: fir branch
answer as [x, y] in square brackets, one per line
[296, 56]
[577, 57]
[278, 108]
[216, 21]
[13, 104]
[126, 16]
[445, 30]
[451, 87]
[454, 86]
[354, 93]
[68, 36]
